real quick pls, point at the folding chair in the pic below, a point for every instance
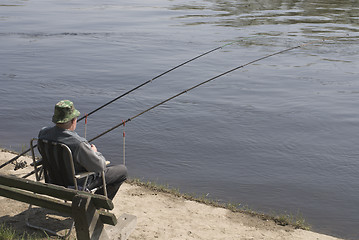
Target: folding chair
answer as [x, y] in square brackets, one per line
[57, 167]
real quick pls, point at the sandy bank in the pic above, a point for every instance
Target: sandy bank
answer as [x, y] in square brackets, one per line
[164, 216]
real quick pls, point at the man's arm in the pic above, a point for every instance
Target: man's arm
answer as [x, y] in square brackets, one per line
[90, 158]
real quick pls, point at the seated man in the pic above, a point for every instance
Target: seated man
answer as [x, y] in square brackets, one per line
[86, 157]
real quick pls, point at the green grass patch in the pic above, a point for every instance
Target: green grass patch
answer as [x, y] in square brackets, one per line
[9, 233]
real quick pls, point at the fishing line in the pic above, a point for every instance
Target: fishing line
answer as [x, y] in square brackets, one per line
[128, 92]
[124, 142]
[200, 84]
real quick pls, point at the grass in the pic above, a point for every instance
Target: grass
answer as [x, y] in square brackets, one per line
[295, 220]
[23, 148]
[9, 233]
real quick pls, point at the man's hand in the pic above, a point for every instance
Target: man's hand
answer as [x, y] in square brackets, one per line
[93, 147]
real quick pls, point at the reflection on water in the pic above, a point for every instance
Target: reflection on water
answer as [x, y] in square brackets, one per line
[318, 14]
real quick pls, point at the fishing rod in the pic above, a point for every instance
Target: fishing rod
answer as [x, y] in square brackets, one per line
[198, 85]
[158, 76]
[128, 92]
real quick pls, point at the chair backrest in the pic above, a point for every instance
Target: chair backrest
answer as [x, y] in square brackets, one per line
[57, 163]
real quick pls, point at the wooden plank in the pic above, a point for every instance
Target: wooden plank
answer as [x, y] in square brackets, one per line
[108, 218]
[87, 220]
[35, 199]
[80, 217]
[52, 190]
[38, 187]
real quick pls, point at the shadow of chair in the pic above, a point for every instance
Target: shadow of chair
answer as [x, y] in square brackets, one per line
[57, 167]
[57, 222]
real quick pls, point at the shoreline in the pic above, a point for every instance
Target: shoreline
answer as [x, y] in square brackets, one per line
[162, 214]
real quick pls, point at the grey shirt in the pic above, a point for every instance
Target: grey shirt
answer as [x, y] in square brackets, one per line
[84, 157]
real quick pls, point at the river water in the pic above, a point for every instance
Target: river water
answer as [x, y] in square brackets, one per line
[279, 135]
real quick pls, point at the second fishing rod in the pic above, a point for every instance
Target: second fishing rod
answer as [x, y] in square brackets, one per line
[130, 91]
[198, 85]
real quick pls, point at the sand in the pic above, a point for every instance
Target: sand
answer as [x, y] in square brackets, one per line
[162, 216]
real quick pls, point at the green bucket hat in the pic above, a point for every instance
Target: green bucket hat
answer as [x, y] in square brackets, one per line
[64, 112]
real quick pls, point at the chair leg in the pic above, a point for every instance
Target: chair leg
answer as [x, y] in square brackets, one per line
[104, 188]
[45, 229]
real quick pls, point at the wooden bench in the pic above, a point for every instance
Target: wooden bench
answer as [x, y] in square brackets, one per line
[82, 206]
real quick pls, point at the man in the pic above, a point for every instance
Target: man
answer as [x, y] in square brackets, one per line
[86, 157]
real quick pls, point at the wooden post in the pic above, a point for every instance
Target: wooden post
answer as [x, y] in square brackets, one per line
[87, 220]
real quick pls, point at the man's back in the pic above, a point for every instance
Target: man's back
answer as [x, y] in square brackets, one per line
[84, 157]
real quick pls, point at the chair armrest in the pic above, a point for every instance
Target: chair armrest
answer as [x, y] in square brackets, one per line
[84, 174]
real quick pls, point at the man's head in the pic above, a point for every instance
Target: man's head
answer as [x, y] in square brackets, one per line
[65, 114]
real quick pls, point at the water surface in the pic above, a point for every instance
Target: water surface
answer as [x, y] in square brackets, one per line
[279, 135]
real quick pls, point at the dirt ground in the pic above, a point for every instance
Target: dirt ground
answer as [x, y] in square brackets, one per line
[159, 216]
